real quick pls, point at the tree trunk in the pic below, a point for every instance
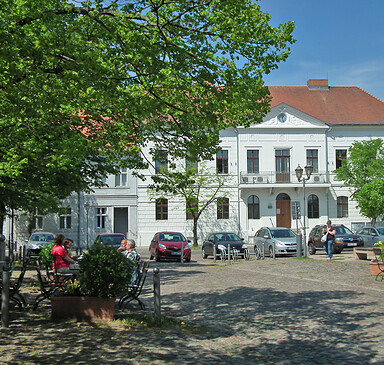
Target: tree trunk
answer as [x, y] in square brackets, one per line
[2, 217]
[195, 243]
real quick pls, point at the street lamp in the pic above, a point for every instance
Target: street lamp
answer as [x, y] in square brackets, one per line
[87, 206]
[301, 178]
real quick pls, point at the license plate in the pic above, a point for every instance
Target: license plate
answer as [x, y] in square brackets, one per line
[351, 244]
[176, 253]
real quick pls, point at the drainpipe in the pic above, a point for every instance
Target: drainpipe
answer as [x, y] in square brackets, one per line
[326, 167]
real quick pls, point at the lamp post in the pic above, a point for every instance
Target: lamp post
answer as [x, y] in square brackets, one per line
[87, 206]
[303, 179]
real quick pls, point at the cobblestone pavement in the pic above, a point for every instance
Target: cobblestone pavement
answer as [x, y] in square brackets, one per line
[283, 311]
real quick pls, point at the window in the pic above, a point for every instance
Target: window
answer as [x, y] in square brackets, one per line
[161, 209]
[340, 156]
[313, 206]
[161, 161]
[313, 159]
[121, 179]
[101, 217]
[191, 206]
[253, 207]
[222, 208]
[222, 162]
[65, 219]
[282, 165]
[252, 161]
[342, 207]
[37, 220]
[191, 165]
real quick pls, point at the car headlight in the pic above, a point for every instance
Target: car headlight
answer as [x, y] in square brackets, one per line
[244, 246]
[280, 244]
[187, 247]
[221, 247]
[163, 247]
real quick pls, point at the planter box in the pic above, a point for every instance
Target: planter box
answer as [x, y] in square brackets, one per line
[374, 268]
[83, 308]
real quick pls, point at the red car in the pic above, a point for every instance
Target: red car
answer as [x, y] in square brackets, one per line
[167, 246]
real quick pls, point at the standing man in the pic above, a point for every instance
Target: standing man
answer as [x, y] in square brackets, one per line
[328, 244]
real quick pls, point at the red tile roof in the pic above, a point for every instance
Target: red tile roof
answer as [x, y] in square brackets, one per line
[332, 105]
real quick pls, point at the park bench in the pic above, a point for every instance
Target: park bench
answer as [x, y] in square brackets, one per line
[135, 287]
[48, 283]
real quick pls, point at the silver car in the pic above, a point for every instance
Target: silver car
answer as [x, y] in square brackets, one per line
[280, 240]
[371, 235]
[38, 240]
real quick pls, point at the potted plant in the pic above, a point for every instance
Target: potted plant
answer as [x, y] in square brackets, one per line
[104, 274]
[376, 265]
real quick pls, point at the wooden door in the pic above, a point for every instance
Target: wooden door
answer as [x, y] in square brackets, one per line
[283, 213]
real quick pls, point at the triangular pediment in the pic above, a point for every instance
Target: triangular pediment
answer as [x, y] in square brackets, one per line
[284, 116]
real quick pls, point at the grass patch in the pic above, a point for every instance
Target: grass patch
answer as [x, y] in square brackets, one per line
[142, 320]
[303, 258]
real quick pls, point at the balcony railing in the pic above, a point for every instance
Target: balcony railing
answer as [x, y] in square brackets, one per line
[272, 177]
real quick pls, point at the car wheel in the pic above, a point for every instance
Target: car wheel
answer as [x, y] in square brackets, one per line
[150, 257]
[187, 260]
[204, 254]
[270, 250]
[311, 249]
[336, 250]
[157, 258]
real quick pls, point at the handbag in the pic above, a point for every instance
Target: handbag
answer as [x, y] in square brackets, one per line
[324, 238]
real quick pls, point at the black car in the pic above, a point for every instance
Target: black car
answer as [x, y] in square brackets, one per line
[344, 238]
[110, 239]
[221, 240]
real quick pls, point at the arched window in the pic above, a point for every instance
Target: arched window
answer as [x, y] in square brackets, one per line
[342, 207]
[313, 206]
[253, 207]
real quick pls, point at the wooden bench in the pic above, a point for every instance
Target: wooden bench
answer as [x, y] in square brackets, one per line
[363, 253]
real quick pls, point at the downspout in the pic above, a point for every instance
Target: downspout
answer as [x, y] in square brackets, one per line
[326, 166]
[238, 178]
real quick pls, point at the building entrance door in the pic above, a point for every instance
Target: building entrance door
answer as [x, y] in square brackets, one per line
[283, 211]
[120, 220]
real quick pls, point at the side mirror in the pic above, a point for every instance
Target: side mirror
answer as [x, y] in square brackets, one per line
[189, 241]
[242, 239]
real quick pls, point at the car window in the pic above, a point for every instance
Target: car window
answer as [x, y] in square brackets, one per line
[172, 237]
[233, 237]
[111, 239]
[260, 233]
[219, 237]
[41, 237]
[282, 233]
[343, 230]
[380, 231]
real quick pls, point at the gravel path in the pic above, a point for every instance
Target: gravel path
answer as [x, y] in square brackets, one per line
[283, 311]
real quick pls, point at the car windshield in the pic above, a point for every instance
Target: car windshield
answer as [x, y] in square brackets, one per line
[172, 237]
[380, 231]
[41, 237]
[282, 233]
[111, 239]
[227, 237]
[343, 230]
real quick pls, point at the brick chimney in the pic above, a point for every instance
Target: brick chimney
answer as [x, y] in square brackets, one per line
[317, 84]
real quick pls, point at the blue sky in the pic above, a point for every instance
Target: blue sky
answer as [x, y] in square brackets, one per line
[338, 40]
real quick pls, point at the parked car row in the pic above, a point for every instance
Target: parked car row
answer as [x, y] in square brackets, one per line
[268, 241]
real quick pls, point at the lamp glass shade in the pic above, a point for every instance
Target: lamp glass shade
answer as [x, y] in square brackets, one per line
[308, 170]
[299, 172]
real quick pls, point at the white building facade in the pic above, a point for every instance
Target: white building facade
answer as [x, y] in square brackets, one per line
[308, 125]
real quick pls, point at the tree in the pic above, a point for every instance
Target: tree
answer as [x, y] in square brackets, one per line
[362, 170]
[199, 188]
[105, 78]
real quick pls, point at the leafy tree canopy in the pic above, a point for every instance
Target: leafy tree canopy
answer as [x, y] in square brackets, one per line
[84, 80]
[363, 171]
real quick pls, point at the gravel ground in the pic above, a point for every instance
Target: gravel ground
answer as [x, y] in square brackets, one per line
[283, 311]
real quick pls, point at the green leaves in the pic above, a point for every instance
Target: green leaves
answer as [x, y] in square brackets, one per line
[363, 172]
[83, 81]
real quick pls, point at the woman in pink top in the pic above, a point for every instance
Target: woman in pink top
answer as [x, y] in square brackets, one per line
[60, 255]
